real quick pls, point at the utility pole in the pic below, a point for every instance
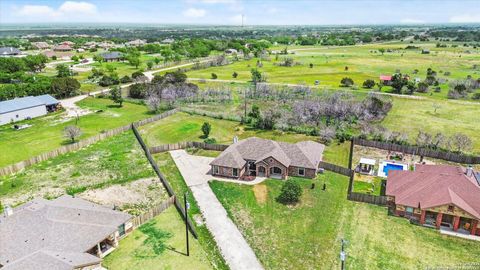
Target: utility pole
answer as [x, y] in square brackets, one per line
[187, 205]
[343, 255]
[242, 20]
[245, 105]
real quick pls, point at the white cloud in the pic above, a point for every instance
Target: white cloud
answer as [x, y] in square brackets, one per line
[465, 18]
[194, 13]
[272, 10]
[35, 10]
[78, 7]
[411, 21]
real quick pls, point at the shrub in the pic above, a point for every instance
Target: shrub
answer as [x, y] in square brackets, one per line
[214, 76]
[290, 192]
[138, 90]
[125, 79]
[346, 82]
[235, 75]
[369, 84]
[476, 96]
[210, 141]
[206, 128]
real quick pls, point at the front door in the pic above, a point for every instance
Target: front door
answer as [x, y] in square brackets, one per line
[261, 171]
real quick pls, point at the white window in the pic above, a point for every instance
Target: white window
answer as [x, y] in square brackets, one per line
[409, 210]
[235, 172]
[215, 169]
[301, 171]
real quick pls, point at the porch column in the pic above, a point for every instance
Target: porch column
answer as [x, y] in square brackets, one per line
[99, 251]
[439, 220]
[474, 227]
[422, 217]
[456, 223]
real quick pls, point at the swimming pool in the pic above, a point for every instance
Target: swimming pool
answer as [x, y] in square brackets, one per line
[387, 166]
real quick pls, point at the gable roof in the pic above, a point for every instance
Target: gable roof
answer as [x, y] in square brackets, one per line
[9, 51]
[40, 230]
[385, 78]
[112, 55]
[22, 103]
[303, 154]
[435, 185]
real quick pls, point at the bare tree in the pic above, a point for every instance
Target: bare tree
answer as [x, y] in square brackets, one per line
[72, 132]
[423, 139]
[461, 142]
[153, 102]
[327, 134]
[436, 107]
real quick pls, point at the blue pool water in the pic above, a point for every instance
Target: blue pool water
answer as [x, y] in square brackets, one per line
[392, 167]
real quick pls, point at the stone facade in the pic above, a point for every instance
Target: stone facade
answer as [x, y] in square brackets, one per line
[227, 172]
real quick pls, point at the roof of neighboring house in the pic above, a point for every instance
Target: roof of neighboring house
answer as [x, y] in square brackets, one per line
[435, 185]
[136, 42]
[70, 43]
[302, 154]
[40, 44]
[63, 47]
[26, 102]
[112, 55]
[385, 78]
[55, 233]
[9, 51]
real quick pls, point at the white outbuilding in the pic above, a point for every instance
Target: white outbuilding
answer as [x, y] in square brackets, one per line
[19, 109]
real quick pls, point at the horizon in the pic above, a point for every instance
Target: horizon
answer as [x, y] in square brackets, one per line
[231, 12]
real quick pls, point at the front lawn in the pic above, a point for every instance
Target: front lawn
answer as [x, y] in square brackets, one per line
[46, 133]
[307, 236]
[168, 232]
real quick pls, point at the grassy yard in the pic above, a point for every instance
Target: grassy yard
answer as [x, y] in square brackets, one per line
[307, 235]
[168, 232]
[115, 160]
[169, 169]
[46, 133]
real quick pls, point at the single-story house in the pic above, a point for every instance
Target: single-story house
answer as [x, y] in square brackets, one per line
[9, 51]
[112, 56]
[62, 48]
[63, 234]
[231, 51]
[59, 54]
[266, 158]
[69, 43]
[386, 79]
[41, 45]
[168, 41]
[19, 109]
[441, 196]
[137, 42]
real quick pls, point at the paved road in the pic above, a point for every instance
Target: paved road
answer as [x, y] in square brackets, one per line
[234, 248]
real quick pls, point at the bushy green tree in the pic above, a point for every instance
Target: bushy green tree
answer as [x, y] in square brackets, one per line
[206, 128]
[116, 95]
[369, 84]
[63, 71]
[346, 82]
[290, 193]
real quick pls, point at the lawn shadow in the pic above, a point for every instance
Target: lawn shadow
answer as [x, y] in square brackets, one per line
[176, 251]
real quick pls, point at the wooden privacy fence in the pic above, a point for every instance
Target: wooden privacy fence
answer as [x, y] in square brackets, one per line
[183, 145]
[335, 168]
[419, 151]
[367, 198]
[163, 179]
[80, 144]
[152, 212]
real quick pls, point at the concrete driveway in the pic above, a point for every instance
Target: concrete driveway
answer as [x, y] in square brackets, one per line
[234, 248]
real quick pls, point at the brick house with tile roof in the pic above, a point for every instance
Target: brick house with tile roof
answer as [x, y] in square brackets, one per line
[266, 158]
[440, 196]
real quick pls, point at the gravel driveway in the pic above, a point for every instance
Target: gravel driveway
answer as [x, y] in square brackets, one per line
[234, 247]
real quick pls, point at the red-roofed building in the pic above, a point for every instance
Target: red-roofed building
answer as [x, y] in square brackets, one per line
[385, 79]
[437, 195]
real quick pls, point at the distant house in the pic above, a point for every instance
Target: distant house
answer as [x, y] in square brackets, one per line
[425, 51]
[168, 41]
[62, 48]
[59, 54]
[266, 158]
[9, 51]
[386, 79]
[105, 45]
[135, 43]
[19, 109]
[69, 43]
[112, 56]
[231, 51]
[41, 45]
[441, 196]
[64, 234]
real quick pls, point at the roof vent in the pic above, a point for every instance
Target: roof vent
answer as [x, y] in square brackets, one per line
[469, 171]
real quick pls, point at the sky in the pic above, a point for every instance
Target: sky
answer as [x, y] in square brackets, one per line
[229, 12]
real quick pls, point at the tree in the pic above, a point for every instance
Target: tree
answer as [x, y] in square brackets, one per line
[235, 75]
[72, 132]
[255, 112]
[214, 76]
[346, 82]
[369, 84]
[381, 50]
[153, 102]
[116, 95]
[311, 65]
[35, 63]
[398, 82]
[156, 60]
[436, 106]
[290, 193]
[256, 75]
[206, 128]
[461, 142]
[134, 61]
[63, 71]
[326, 134]
[422, 87]
[137, 90]
[149, 64]
[64, 87]
[74, 58]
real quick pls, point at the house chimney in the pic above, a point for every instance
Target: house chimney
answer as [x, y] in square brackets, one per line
[469, 171]
[8, 211]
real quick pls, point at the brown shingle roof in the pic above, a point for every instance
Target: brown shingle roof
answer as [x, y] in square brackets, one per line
[435, 185]
[303, 154]
[64, 225]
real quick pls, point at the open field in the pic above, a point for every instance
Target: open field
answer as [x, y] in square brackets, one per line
[169, 169]
[308, 235]
[168, 232]
[363, 62]
[46, 132]
[115, 160]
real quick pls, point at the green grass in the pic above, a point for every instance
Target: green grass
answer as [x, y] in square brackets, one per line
[168, 232]
[169, 169]
[307, 235]
[373, 187]
[46, 133]
[115, 160]
[203, 152]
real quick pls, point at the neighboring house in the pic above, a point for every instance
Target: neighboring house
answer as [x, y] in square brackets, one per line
[105, 45]
[90, 44]
[62, 234]
[425, 51]
[63, 48]
[19, 109]
[69, 43]
[41, 45]
[231, 51]
[442, 196]
[59, 54]
[168, 41]
[112, 56]
[386, 79]
[9, 51]
[137, 42]
[266, 158]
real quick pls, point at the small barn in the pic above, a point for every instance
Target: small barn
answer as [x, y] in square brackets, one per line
[19, 109]
[386, 79]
